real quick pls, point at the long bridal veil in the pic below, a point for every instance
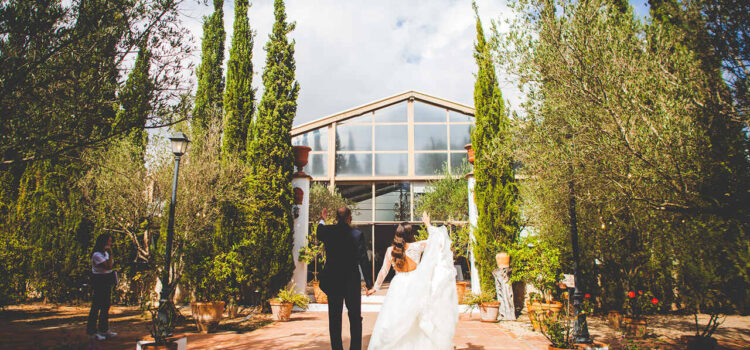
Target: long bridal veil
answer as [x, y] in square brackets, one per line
[420, 310]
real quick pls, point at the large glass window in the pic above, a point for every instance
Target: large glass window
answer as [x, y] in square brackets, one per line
[317, 165]
[361, 196]
[353, 138]
[458, 117]
[391, 137]
[428, 113]
[391, 164]
[392, 201]
[429, 163]
[392, 114]
[316, 139]
[460, 136]
[354, 164]
[377, 143]
[430, 137]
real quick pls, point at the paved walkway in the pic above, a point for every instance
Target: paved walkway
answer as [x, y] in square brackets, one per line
[309, 330]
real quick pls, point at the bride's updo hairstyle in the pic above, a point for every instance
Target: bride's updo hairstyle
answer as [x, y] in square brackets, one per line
[404, 234]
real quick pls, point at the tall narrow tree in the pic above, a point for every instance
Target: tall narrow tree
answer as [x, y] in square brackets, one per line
[239, 97]
[135, 100]
[270, 163]
[496, 192]
[209, 96]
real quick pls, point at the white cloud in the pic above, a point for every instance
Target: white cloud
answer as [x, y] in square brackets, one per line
[352, 52]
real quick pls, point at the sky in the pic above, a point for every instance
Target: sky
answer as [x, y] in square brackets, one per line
[351, 52]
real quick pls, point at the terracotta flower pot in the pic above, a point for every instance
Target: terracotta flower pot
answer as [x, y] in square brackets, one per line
[614, 318]
[502, 259]
[461, 291]
[281, 311]
[301, 154]
[471, 153]
[320, 296]
[635, 327]
[207, 315]
[488, 312]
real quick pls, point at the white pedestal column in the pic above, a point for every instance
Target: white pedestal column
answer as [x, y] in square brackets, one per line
[473, 214]
[301, 214]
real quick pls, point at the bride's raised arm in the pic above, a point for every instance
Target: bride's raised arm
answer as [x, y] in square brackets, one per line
[383, 272]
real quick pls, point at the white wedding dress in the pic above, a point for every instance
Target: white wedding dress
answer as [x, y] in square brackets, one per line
[419, 311]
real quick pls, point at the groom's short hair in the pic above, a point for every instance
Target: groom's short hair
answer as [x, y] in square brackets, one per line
[342, 214]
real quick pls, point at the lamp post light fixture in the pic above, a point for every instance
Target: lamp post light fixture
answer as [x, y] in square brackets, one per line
[179, 147]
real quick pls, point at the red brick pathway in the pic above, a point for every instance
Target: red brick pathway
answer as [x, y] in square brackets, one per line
[309, 330]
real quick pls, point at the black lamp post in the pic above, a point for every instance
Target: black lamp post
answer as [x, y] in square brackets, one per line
[179, 147]
[581, 329]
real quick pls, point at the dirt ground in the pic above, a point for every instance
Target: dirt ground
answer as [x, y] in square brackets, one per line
[61, 327]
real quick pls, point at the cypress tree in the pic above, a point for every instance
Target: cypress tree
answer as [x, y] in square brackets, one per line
[270, 163]
[209, 96]
[239, 107]
[135, 100]
[239, 97]
[496, 192]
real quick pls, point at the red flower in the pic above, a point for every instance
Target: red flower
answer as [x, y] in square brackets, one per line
[587, 295]
[631, 294]
[640, 292]
[654, 301]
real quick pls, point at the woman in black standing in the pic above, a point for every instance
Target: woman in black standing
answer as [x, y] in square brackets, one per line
[102, 280]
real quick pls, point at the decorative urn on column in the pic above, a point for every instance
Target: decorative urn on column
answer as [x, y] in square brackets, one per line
[301, 153]
[471, 153]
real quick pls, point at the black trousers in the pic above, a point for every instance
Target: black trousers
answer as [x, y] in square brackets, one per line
[102, 285]
[351, 294]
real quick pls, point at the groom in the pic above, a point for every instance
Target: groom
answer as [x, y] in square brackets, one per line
[340, 279]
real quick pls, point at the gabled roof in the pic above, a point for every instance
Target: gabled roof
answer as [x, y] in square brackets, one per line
[368, 107]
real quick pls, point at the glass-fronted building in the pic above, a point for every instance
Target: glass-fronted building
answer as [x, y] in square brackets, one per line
[380, 156]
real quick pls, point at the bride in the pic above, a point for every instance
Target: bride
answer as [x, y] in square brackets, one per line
[419, 311]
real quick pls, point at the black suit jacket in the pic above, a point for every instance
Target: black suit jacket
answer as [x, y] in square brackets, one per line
[345, 255]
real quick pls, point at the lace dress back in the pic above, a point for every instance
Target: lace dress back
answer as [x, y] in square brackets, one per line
[413, 251]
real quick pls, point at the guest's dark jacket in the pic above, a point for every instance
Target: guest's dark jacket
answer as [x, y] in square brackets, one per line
[345, 255]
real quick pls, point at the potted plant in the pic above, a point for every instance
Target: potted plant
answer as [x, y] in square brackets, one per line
[281, 306]
[557, 327]
[711, 301]
[163, 321]
[638, 304]
[311, 252]
[536, 261]
[213, 290]
[486, 303]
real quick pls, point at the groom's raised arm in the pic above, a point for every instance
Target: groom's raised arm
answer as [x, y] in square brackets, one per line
[364, 261]
[323, 231]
